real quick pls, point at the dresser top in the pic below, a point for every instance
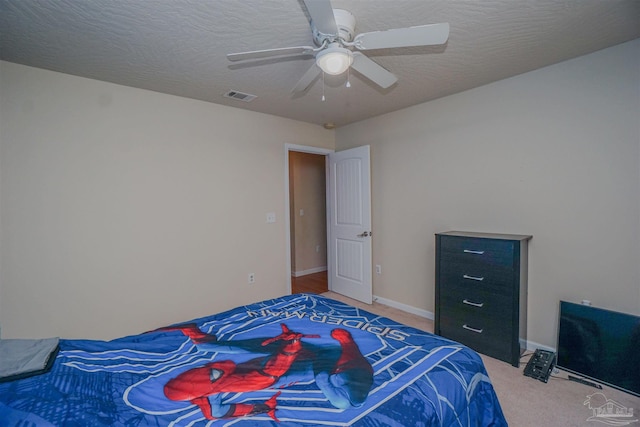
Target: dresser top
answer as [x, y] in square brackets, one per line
[486, 235]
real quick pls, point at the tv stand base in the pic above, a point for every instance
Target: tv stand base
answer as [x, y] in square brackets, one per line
[585, 382]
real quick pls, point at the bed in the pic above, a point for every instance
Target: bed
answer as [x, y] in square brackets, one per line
[298, 360]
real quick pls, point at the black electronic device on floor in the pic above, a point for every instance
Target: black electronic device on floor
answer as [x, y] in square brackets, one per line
[588, 348]
[540, 365]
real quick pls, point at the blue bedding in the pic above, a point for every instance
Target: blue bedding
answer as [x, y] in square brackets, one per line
[298, 360]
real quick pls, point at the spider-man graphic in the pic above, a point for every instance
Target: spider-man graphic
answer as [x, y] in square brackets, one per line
[341, 372]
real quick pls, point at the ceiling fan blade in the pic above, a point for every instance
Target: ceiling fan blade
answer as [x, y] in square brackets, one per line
[372, 71]
[307, 79]
[268, 53]
[422, 35]
[322, 16]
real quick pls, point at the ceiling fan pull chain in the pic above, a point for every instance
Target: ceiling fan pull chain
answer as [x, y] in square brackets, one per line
[348, 82]
[323, 86]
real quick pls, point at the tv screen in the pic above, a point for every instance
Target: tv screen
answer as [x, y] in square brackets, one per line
[601, 344]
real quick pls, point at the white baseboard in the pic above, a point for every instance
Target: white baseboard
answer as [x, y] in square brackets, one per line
[309, 271]
[404, 307]
[532, 346]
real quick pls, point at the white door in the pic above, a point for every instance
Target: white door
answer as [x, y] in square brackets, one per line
[350, 224]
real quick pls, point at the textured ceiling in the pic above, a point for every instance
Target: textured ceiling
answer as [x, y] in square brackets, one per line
[179, 46]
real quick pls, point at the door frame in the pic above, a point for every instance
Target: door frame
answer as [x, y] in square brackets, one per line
[287, 217]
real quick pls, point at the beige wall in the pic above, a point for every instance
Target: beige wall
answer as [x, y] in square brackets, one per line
[554, 153]
[307, 180]
[123, 210]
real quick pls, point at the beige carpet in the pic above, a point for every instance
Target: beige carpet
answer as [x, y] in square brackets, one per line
[526, 402]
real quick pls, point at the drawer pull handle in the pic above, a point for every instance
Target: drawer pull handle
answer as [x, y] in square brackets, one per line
[469, 328]
[475, 304]
[469, 251]
[479, 279]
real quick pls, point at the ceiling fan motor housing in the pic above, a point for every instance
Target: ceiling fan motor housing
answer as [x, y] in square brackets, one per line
[346, 23]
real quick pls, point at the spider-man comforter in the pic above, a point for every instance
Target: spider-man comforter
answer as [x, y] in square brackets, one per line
[300, 360]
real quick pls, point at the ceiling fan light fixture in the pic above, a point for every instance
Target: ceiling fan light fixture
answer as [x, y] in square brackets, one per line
[334, 60]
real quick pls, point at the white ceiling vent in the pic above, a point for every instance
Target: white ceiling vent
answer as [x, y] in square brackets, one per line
[240, 96]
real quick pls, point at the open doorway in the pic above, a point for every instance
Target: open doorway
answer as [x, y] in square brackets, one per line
[307, 219]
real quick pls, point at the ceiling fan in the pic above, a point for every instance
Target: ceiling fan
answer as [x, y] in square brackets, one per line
[337, 49]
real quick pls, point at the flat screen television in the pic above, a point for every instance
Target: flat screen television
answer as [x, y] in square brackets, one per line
[600, 344]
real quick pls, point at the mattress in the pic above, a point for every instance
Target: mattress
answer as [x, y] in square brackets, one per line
[298, 360]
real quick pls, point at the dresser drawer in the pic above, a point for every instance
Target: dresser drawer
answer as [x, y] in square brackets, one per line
[487, 338]
[468, 303]
[496, 280]
[467, 250]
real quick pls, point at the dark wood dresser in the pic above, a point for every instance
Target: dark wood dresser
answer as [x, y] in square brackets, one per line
[481, 292]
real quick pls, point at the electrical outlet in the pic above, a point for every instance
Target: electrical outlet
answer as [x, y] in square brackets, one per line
[378, 269]
[317, 248]
[252, 278]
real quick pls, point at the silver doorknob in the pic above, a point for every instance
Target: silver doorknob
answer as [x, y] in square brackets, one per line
[365, 234]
